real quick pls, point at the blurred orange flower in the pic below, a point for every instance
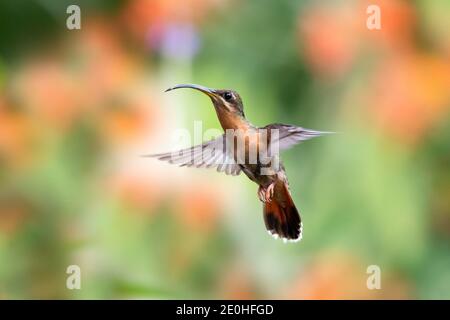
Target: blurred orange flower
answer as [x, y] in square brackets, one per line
[329, 36]
[90, 69]
[332, 35]
[411, 94]
[236, 284]
[49, 92]
[198, 206]
[134, 191]
[144, 17]
[102, 66]
[122, 125]
[398, 21]
[339, 275]
[15, 137]
[12, 216]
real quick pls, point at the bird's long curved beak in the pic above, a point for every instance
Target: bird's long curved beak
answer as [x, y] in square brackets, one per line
[205, 90]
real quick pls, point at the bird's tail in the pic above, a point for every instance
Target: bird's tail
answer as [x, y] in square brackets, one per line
[281, 216]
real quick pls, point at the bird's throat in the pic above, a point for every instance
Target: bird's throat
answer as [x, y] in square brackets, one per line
[232, 120]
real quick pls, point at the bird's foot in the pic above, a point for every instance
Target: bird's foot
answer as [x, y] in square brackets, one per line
[266, 194]
[262, 194]
[269, 191]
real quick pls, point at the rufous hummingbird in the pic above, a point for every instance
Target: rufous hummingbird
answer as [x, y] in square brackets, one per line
[240, 149]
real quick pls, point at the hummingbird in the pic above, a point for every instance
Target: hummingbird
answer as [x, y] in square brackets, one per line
[251, 150]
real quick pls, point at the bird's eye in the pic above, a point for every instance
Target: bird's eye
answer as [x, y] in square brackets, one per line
[227, 96]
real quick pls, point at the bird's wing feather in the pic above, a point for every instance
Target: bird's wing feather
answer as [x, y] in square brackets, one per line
[288, 135]
[213, 153]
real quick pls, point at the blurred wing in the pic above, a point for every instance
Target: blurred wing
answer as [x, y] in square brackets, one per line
[289, 135]
[207, 155]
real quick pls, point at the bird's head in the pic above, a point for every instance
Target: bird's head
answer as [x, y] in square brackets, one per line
[223, 99]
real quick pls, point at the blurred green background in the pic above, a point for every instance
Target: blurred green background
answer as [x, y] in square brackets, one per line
[78, 108]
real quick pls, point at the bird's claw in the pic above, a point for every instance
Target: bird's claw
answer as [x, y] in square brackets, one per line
[262, 194]
[266, 194]
[269, 192]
